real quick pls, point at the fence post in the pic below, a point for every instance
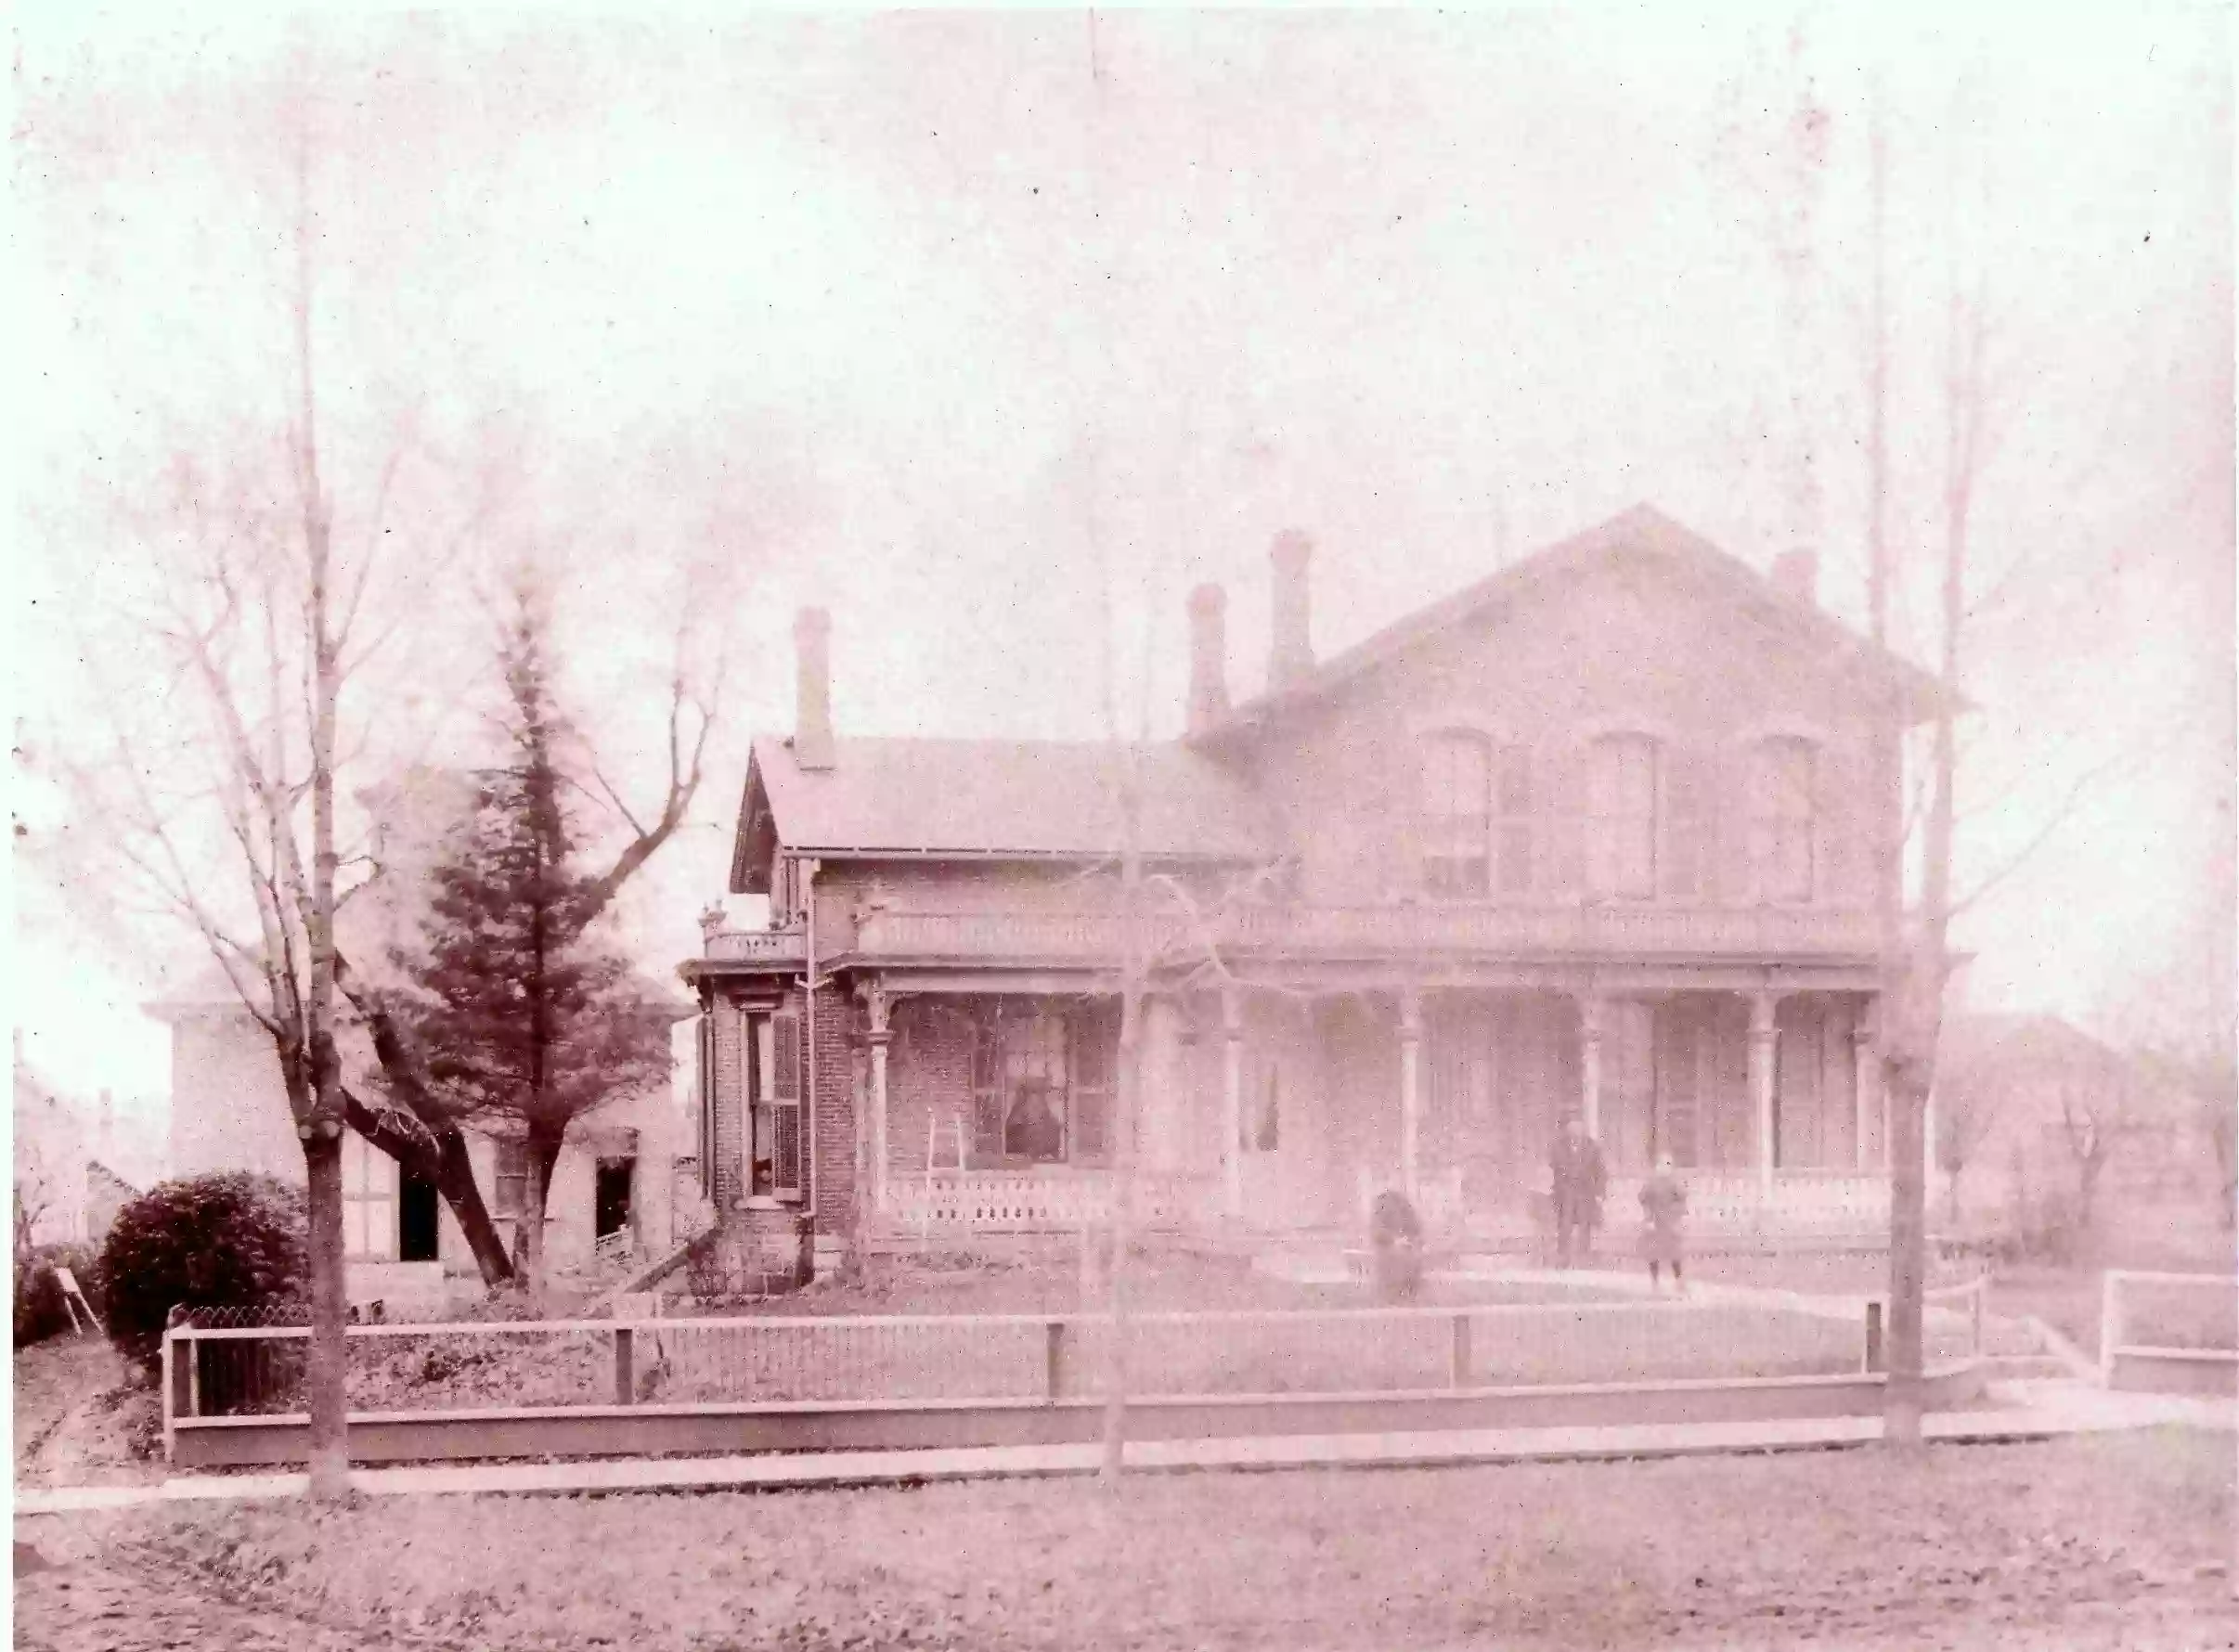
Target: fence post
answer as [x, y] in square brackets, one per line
[1874, 1360]
[2110, 1324]
[1052, 1375]
[1457, 1365]
[626, 1387]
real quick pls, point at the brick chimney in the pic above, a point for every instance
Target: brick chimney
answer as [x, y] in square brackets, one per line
[1208, 657]
[1290, 654]
[1796, 574]
[812, 691]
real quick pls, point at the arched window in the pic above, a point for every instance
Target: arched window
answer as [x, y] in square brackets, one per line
[1477, 812]
[1782, 815]
[1622, 778]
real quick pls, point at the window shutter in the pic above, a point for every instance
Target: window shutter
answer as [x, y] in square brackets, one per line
[1839, 824]
[786, 1103]
[1736, 883]
[1565, 814]
[1686, 838]
[987, 1089]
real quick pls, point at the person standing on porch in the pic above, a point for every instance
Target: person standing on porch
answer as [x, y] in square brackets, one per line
[1580, 1180]
[1663, 1209]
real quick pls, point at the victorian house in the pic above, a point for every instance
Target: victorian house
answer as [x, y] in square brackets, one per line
[1592, 837]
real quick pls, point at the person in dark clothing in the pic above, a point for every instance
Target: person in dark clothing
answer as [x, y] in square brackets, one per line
[1662, 1211]
[1578, 1180]
[1035, 1132]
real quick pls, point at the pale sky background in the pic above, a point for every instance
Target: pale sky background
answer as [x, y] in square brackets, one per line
[884, 311]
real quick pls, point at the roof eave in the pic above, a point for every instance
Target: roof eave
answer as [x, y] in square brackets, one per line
[749, 872]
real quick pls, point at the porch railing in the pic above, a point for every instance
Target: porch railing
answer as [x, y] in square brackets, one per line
[758, 945]
[963, 1202]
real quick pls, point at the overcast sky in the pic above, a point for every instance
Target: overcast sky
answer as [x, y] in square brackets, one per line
[929, 319]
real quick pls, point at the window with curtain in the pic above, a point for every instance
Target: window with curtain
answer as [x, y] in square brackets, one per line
[1782, 817]
[1043, 1076]
[1621, 773]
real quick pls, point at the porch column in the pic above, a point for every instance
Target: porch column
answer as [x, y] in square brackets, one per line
[1866, 1083]
[1158, 1100]
[1761, 1049]
[1411, 1092]
[1589, 1062]
[1232, 1102]
[880, 1006]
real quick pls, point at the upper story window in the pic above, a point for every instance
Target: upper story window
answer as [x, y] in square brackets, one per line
[1477, 816]
[1782, 816]
[1622, 771]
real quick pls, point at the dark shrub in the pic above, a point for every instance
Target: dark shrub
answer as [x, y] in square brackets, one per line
[232, 1240]
[40, 1311]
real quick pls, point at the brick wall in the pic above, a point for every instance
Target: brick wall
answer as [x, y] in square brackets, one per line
[831, 1121]
[928, 1082]
[835, 1110]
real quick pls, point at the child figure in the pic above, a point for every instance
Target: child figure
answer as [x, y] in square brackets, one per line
[1663, 1209]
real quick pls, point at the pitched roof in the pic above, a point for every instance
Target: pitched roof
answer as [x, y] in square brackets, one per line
[1000, 798]
[1642, 531]
[1981, 1039]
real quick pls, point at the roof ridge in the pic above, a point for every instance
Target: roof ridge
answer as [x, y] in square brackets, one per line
[1640, 525]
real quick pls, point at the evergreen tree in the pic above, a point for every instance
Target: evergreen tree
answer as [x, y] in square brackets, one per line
[527, 1019]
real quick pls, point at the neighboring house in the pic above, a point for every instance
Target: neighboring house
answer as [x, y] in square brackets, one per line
[1591, 837]
[2020, 1097]
[65, 1188]
[612, 1186]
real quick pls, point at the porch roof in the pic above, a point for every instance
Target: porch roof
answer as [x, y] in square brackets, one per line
[995, 798]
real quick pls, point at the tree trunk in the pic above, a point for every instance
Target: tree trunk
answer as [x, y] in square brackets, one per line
[544, 1144]
[456, 1184]
[1907, 1253]
[325, 1384]
[1123, 1168]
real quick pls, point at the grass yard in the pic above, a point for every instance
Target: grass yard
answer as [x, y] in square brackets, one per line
[2044, 1545]
[2150, 1239]
[77, 1421]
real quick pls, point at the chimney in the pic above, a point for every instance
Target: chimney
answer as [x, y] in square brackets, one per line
[1796, 574]
[1290, 655]
[1208, 657]
[812, 692]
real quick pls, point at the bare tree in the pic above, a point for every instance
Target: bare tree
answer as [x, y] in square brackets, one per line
[256, 621]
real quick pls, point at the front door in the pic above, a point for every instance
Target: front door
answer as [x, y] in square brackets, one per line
[419, 1220]
[1282, 1138]
[611, 1213]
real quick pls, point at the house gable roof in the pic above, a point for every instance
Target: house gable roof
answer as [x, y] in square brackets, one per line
[1642, 532]
[995, 799]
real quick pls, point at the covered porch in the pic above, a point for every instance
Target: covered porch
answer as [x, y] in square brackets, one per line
[1286, 1106]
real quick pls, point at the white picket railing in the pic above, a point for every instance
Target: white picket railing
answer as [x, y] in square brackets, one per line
[958, 1202]
[2171, 1319]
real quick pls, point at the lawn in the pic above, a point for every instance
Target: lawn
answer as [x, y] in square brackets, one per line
[77, 1421]
[1993, 1545]
[2156, 1240]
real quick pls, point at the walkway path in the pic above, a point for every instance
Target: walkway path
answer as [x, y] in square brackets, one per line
[2023, 1411]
